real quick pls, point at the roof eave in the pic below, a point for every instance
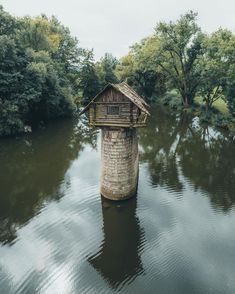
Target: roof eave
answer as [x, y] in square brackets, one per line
[142, 102]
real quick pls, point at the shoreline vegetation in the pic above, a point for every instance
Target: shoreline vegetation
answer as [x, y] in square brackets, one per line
[46, 75]
[217, 116]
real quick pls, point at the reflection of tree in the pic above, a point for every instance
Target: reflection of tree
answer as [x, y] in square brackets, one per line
[119, 261]
[206, 157]
[158, 141]
[209, 162]
[32, 169]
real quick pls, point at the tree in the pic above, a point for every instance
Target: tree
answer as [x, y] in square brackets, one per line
[230, 90]
[105, 69]
[140, 70]
[39, 62]
[88, 81]
[11, 62]
[180, 45]
[228, 57]
[214, 66]
[8, 23]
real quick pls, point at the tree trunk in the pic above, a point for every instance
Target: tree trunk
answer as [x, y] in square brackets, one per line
[186, 101]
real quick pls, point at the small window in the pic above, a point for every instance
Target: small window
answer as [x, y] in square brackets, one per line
[113, 110]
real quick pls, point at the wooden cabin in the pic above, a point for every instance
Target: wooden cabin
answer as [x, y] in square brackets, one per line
[117, 105]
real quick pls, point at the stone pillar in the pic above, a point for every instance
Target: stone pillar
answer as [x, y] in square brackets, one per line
[120, 163]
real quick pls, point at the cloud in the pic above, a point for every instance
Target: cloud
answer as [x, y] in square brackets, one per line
[112, 25]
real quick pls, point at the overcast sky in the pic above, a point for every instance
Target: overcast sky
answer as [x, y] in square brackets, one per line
[113, 25]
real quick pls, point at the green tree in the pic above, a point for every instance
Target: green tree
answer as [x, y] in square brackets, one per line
[228, 57]
[88, 81]
[214, 66]
[12, 105]
[140, 69]
[230, 90]
[179, 46]
[8, 23]
[105, 69]
[40, 63]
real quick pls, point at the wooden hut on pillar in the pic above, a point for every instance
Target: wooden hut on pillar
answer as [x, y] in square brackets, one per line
[118, 111]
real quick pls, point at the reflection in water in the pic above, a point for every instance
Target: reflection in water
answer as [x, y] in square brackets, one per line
[158, 143]
[118, 260]
[174, 145]
[172, 240]
[32, 168]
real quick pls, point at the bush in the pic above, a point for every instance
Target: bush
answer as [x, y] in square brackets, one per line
[171, 99]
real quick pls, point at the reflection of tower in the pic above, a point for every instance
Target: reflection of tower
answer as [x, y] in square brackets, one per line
[118, 111]
[119, 260]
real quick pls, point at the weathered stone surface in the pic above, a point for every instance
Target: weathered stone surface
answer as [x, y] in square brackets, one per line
[120, 163]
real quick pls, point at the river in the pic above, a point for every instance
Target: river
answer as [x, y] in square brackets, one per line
[57, 235]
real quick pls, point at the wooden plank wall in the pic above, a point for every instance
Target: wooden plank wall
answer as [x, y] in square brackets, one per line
[129, 112]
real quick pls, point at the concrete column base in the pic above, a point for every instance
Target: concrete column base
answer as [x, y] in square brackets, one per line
[120, 163]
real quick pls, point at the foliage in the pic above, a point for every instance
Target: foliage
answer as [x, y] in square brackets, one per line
[180, 45]
[217, 71]
[179, 61]
[229, 88]
[39, 63]
[88, 81]
[167, 60]
[95, 76]
[171, 99]
[214, 66]
[45, 74]
[140, 70]
[219, 104]
[105, 69]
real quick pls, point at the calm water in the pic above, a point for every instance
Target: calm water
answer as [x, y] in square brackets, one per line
[57, 235]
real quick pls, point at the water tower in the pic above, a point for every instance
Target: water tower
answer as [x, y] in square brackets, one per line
[118, 110]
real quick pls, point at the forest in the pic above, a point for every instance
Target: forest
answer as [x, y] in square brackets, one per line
[45, 74]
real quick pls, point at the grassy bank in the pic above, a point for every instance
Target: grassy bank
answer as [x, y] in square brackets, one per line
[218, 116]
[220, 105]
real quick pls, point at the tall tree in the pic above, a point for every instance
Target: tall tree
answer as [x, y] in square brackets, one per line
[88, 81]
[214, 66]
[140, 69]
[228, 57]
[178, 50]
[39, 62]
[105, 69]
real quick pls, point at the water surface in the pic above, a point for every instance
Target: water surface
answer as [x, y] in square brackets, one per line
[57, 235]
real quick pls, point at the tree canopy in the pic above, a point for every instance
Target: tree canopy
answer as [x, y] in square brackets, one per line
[179, 58]
[45, 74]
[39, 61]
[178, 52]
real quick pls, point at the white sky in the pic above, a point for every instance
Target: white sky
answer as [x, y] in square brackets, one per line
[113, 25]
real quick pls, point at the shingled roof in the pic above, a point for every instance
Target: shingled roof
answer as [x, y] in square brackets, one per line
[128, 92]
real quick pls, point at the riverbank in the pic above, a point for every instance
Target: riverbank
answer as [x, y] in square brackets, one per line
[218, 116]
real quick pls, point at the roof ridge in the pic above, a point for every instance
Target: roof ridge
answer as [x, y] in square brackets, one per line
[134, 92]
[127, 91]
